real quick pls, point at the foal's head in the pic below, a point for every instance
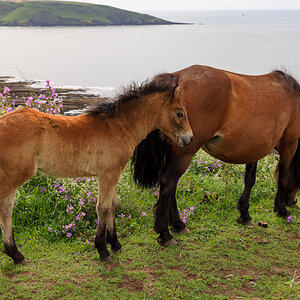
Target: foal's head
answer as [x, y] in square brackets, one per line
[173, 117]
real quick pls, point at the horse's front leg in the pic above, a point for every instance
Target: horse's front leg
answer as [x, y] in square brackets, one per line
[243, 203]
[166, 210]
[106, 208]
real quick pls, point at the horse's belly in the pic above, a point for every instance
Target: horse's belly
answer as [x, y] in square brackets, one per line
[236, 151]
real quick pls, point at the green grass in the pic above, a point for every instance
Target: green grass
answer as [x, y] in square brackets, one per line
[217, 259]
[59, 13]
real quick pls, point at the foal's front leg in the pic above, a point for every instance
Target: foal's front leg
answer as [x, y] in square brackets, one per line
[106, 208]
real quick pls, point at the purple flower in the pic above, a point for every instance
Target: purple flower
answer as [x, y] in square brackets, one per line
[121, 216]
[69, 208]
[69, 234]
[129, 217]
[29, 101]
[6, 90]
[61, 189]
[50, 229]
[43, 189]
[144, 214]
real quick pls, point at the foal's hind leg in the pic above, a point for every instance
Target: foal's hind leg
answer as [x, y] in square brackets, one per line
[243, 203]
[10, 248]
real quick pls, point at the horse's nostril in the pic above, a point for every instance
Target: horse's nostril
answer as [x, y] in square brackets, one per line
[192, 138]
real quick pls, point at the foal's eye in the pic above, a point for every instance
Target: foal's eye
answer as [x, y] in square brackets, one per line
[179, 114]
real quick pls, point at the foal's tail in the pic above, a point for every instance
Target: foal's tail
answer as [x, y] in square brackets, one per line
[149, 160]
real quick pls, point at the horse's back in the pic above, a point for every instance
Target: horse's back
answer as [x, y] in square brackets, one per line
[239, 118]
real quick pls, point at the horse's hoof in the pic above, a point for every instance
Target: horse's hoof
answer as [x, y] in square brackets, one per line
[23, 262]
[107, 259]
[117, 250]
[284, 215]
[184, 230]
[245, 222]
[170, 242]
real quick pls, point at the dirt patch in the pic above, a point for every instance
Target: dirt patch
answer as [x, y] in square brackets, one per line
[132, 284]
[13, 276]
[293, 237]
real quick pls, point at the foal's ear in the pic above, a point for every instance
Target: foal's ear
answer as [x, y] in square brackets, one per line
[167, 82]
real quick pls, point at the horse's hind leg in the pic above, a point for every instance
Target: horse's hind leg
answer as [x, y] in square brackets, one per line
[287, 153]
[293, 179]
[243, 203]
[10, 248]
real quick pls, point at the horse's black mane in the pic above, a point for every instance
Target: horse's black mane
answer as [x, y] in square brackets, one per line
[289, 81]
[165, 82]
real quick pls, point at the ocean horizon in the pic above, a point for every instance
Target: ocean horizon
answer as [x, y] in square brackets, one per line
[102, 59]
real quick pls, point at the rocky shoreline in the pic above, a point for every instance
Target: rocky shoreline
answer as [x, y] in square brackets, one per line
[73, 99]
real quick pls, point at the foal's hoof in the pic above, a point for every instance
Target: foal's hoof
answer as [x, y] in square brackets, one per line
[170, 242]
[245, 222]
[106, 259]
[184, 230]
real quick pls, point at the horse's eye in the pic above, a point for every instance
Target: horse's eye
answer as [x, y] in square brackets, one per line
[179, 114]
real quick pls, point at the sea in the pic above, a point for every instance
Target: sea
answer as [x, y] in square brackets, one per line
[103, 59]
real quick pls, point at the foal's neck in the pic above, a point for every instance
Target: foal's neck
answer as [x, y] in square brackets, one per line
[139, 117]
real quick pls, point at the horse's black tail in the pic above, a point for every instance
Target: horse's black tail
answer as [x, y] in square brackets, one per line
[149, 160]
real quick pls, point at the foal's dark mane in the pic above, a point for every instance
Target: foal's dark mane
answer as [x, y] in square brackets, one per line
[165, 82]
[289, 81]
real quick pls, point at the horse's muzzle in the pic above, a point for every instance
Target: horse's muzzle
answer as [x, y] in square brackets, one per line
[185, 139]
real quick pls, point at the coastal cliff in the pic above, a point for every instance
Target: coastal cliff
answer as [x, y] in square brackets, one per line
[59, 13]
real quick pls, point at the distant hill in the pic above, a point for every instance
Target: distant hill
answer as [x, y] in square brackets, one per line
[58, 13]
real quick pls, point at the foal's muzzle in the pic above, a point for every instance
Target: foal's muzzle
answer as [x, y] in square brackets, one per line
[185, 139]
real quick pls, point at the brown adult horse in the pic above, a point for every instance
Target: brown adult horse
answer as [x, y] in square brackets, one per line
[236, 118]
[97, 143]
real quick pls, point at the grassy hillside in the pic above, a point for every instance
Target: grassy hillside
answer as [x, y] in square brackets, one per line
[57, 13]
[54, 223]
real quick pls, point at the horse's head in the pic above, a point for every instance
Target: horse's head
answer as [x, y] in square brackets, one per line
[173, 115]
